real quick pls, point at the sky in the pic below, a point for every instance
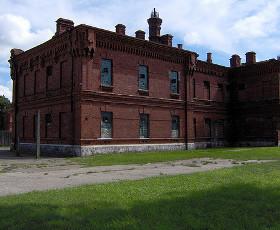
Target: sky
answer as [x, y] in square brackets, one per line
[223, 27]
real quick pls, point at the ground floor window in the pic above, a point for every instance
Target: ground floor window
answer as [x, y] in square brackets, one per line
[175, 127]
[144, 125]
[208, 128]
[106, 124]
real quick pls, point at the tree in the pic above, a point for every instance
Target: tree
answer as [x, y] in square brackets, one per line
[5, 105]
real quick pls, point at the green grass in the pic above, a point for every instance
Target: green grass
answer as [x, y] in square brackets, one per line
[271, 153]
[246, 197]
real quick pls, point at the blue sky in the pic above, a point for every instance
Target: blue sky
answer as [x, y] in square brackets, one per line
[223, 27]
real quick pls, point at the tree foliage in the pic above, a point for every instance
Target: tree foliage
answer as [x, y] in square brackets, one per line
[5, 104]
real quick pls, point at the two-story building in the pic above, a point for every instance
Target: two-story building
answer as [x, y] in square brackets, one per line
[100, 91]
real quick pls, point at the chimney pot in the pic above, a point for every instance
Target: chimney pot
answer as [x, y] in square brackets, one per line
[140, 34]
[166, 39]
[63, 25]
[120, 29]
[235, 61]
[209, 57]
[250, 58]
[180, 46]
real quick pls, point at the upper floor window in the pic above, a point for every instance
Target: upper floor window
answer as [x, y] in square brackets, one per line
[49, 72]
[106, 72]
[144, 125]
[175, 127]
[106, 124]
[194, 88]
[207, 90]
[143, 77]
[221, 91]
[174, 82]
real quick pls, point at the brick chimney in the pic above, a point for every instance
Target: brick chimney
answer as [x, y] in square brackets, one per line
[63, 25]
[166, 39]
[140, 34]
[209, 57]
[250, 58]
[235, 61]
[120, 29]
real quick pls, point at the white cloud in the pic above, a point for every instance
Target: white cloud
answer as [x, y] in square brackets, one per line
[7, 90]
[222, 26]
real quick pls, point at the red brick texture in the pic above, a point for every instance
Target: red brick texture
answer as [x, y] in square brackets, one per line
[215, 104]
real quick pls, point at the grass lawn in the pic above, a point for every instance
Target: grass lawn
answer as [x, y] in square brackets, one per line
[246, 197]
[150, 157]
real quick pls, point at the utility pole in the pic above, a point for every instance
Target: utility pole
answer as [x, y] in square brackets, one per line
[38, 135]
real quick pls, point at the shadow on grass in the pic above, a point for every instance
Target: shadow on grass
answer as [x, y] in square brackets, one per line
[239, 206]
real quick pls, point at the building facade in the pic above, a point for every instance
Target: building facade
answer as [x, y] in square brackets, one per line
[100, 91]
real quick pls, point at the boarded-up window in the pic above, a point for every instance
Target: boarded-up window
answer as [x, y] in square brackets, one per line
[106, 124]
[143, 77]
[144, 125]
[106, 72]
[175, 127]
[219, 129]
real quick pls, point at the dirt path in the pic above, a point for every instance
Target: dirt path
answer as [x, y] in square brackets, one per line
[26, 175]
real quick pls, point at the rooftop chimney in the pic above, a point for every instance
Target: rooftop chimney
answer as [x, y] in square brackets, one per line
[180, 46]
[140, 34]
[209, 57]
[63, 25]
[166, 39]
[235, 61]
[120, 29]
[250, 58]
[154, 26]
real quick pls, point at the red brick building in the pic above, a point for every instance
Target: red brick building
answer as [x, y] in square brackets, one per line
[102, 91]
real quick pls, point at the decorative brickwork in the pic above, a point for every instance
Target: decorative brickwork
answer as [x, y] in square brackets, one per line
[213, 105]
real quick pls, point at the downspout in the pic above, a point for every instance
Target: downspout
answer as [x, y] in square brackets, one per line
[186, 104]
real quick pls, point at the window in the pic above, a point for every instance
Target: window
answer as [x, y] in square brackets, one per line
[175, 129]
[106, 124]
[35, 81]
[61, 73]
[143, 77]
[34, 125]
[106, 72]
[241, 87]
[208, 127]
[207, 90]
[24, 84]
[48, 122]
[23, 126]
[49, 71]
[174, 82]
[194, 88]
[194, 127]
[221, 91]
[144, 125]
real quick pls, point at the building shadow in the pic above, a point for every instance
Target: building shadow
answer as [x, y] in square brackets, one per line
[238, 206]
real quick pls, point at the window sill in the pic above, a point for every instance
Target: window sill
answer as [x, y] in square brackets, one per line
[143, 92]
[107, 88]
[105, 138]
[174, 95]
